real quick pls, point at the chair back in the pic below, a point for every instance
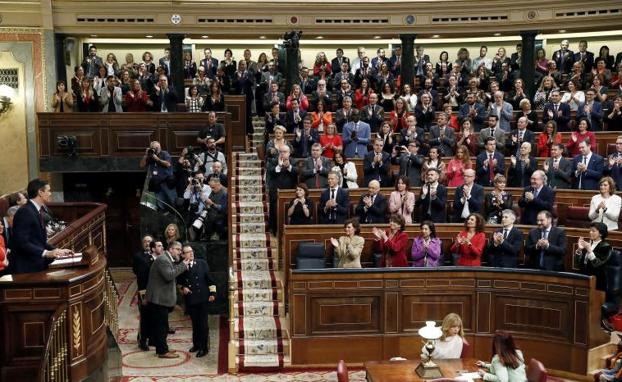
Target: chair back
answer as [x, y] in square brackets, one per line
[342, 372]
[466, 349]
[536, 372]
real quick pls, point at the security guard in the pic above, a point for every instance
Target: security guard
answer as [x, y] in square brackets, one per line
[199, 290]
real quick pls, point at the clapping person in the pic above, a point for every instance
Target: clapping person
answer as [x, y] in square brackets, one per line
[377, 165]
[457, 166]
[506, 244]
[614, 164]
[410, 164]
[62, 100]
[372, 208]
[402, 200]
[137, 100]
[426, 249]
[87, 99]
[587, 168]
[346, 170]
[548, 138]
[605, 206]
[527, 111]
[536, 198]
[546, 245]
[522, 167]
[489, 163]
[301, 207]
[392, 243]
[614, 117]
[334, 202]
[305, 139]
[348, 248]
[469, 243]
[433, 161]
[356, 136]
[433, 198]
[497, 200]
[469, 198]
[449, 346]
[316, 167]
[508, 362]
[321, 118]
[558, 169]
[581, 134]
[466, 137]
[425, 111]
[593, 254]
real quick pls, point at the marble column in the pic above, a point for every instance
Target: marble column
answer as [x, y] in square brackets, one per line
[528, 68]
[177, 64]
[408, 58]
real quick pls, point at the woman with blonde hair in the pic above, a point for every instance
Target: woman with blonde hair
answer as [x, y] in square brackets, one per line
[449, 346]
[171, 233]
[605, 206]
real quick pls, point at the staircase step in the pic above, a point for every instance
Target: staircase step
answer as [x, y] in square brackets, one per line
[256, 328]
[254, 197]
[250, 208]
[258, 308]
[254, 218]
[251, 240]
[260, 264]
[252, 363]
[253, 253]
[261, 347]
[258, 294]
[247, 228]
[256, 280]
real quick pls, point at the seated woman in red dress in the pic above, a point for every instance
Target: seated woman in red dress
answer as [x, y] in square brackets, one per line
[392, 243]
[469, 244]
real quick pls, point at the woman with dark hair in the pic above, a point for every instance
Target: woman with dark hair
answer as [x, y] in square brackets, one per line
[603, 54]
[348, 248]
[456, 166]
[228, 64]
[605, 206]
[17, 199]
[387, 136]
[88, 100]
[387, 98]
[215, 101]
[469, 243]
[346, 170]
[399, 115]
[321, 118]
[426, 249]
[547, 138]
[443, 58]
[579, 135]
[392, 243]
[508, 362]
[300, 208]
[62, 100]
[466, 137]
[593, 254]
[194, 101]
[361, 95]
[542, 63]
[497, 200]
[148, 61]
[434, 161]
[402, 200]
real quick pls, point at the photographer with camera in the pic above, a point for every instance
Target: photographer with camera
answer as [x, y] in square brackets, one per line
[194, 158]
[211, 155]
[195, 197]
[212, 130]
[217, 172]
[162, 182]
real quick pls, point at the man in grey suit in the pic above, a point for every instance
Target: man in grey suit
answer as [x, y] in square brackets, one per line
[558, 169]
[111, 97]
[443, 136]
[492, 131]
[316, 168]
[162, 295]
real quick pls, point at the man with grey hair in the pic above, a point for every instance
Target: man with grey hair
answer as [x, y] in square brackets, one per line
[469, 198]
[503, 110]
[344, 115]
[546, 245]
[316, 167]
[7, 222]
[502, 251]
[521, 167]
[358, 61]
[537, 197]
[518, 136]
[373, 206]
[564, 57]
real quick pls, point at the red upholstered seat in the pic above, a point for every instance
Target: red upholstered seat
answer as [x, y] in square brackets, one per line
[576, 216]
[536, 372]
[342, 372]
[466, 349]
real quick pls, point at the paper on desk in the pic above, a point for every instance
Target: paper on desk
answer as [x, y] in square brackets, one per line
[6, 278]
[75, 258]
[469, 377]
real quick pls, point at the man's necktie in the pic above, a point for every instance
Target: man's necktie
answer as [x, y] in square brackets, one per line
[505, 233]
[541, 260]
[429, 201]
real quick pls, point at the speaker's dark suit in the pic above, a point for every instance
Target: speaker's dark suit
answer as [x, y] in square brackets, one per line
[476, 202]
[614, 171]
[375, 214]
[29, 241]
[337, 214]
[564, 60]
[520, 175]
[551, 258]
[505, 255]
[483, 172]
[543, 201]
[589, 179]
[433, 209]
[588, 60]
[562, 177]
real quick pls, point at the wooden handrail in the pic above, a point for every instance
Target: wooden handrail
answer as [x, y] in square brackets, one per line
[55, 362]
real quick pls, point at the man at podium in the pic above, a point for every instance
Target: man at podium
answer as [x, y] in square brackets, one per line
[30, 251]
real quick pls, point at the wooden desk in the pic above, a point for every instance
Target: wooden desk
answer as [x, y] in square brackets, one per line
[404, 371]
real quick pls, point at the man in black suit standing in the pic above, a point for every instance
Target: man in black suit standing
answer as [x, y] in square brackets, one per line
[558, 169]
[587, 168]
[164, 98]
[420, 60]
[502, 251]
[518, 136]
[30, 251]
[377, 165]
[557, 111]
[613, 166]
[587, 58]
[198, 289]
[546, 245]
[373, 113]
[140, 266]
[433, 198]
[372, 208]
[282, 175]
[336, 62]
[316, 168]
[564, 58]
[209, 63]
[410, 164]
[334, 202]
[536, 198]
[469, 198]
[489, 163]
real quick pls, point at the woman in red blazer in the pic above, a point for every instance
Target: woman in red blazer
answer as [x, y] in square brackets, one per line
[392, 243]
[470, 243]
[399, 116]
[548, 138]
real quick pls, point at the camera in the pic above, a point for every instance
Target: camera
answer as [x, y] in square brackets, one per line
[150, 152]
[190, 154]
[198, 223]
[67, 144]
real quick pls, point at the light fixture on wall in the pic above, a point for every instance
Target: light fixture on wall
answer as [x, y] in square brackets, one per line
[6, 94]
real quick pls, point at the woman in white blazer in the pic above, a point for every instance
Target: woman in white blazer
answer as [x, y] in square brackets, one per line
[605, 207]
[346, 170]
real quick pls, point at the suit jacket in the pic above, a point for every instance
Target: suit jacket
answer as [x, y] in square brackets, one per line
[499, 136]
[520, 175]
[268, 99]
[341, 118]
[375, 214]
[562, 177]
[311, 177]
[29, 241]
[161, 284]
[433, 208]
[595, 116]
[198, 280]
[292, 125]
[166, 64]
[356, 147]
[284, 179]
[380, 172]
[336, 66]
[169, 98]
[551, 258]
[464, 110]
[504, 113]
[141, 264]
[614, 171]
[563, 60]
[505, 255]
[91, 65]
[424, 118]
[211, 71]
[590, 178]
[272, 122]
[410, 166]
[445, 143]
[483, 173]
[475, 202]
[420, 63]
[302, 145]
[543, 201]
[561, 120]
[349, 251]
[513, 147]
[588, 60]
[376, 119]
[104, 99]
[337, 214]
[307, 85]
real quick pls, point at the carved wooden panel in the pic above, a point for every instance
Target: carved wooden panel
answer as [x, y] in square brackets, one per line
[417, 309]
[533, 316]
[359, 314]
[130, 141]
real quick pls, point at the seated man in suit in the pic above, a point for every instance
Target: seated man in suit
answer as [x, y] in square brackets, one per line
[469, 198]
[316, 168]
[613, 166]
[198, 289]
[377, 165]
[518, 136]
[433, 198]
[558, 169]
[356, 136]
[557, 111]
[538, 197]
[294, 117]
[334, 202]
[410, 164]
[591, 110]
[489, 163]
[305, 138]
[503, 250]
[587, 168]
[546, 245]
[140, 266]
[373, 113]
[443, 136]
[30, 251]
[472, 110]
[344, 115]
[372, 207]
[492, 131]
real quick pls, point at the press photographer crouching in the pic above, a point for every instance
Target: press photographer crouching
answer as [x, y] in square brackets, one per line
[195, 197]
[211, 223]
[162, 181]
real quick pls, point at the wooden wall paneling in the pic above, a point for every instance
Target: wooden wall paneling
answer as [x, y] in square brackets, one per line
[236, 105]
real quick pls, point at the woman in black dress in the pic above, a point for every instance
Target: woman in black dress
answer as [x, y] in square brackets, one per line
[301, 207]
[497, 200]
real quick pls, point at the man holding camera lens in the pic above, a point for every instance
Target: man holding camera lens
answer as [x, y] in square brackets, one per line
[196, 195]
[159, 168]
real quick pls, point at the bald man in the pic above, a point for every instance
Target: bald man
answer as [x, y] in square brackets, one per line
[469, 198]
[372, 207]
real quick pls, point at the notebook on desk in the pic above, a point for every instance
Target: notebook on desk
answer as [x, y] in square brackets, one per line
[74, 260]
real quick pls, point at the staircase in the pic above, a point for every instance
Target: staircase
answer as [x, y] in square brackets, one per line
[259, 128]
[259, 337]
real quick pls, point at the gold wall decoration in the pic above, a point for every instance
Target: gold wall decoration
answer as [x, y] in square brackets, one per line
[76, 329]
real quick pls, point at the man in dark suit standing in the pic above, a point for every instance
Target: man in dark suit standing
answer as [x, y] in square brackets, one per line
[556, 111]
[305, 139]
[395, 61]
[558, 169]
[282, 174]
[198, 289]
[489, 163]
[334, 202]
[410, 164]
[469, 198]
[614, 164]
[294, 117]
[420, 61]
[336, 62]
[433, 198]
[591, 110]
[377, 165]
[141, 265]
[518, 136]
[209, 63]
[164, 98]
[587, 168]
[546, 245]
[30, 251]
[564, 58]
[539, 197]
[472, 110]
[443, 136]
[502, 251]
[162, 295]
[316, 168]
[373, 113]
[587, 58]
[372, 208]
[165, 61]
